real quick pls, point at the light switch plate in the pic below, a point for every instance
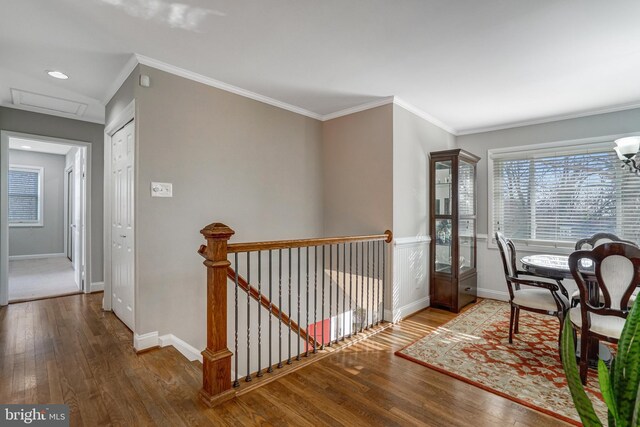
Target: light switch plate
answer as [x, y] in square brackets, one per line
[161, 189]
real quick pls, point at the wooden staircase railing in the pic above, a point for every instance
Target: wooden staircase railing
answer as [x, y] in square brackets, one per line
[266, 303]
[365, 308]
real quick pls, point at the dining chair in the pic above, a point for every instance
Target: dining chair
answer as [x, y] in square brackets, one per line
[593, 242]
[537, 294]
[616, 274]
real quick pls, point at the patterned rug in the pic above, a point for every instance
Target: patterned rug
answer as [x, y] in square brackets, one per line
[474, 347]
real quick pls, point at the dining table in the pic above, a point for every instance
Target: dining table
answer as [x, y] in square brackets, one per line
[556, 267]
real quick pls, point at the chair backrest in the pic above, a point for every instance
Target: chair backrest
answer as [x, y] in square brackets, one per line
[599, 239]
[508, 254]
[616, 267]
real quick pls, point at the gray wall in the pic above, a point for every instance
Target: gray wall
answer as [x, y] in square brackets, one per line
[252, 166]
[57, 127]
[357, 152]
[413, 139]
[48, 239]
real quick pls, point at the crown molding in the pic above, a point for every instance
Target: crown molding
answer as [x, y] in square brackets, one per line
[128, 67]
[358, 108]
[181, 72]
[391, 100]
[163, 66]
[548, 119]
[423, 115]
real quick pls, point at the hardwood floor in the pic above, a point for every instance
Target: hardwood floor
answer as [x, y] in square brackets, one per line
[67, 350]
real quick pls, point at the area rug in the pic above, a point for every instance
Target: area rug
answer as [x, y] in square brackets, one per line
[474, 347]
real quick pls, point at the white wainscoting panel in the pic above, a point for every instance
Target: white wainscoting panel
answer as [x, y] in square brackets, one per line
[410, 291]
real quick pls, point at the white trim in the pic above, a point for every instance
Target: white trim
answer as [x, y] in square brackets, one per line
[423, 115]
[163, 66]
[362, 107]
[121, 119]
[187, 350]
[402, 312]
[493, 294]
[36, 256]
[152, 339]
[410, 241]
[548, 119]
[145, 341]
[40, 170]
[181, 72]
[4, 226]
[127, 69]
[96, 287]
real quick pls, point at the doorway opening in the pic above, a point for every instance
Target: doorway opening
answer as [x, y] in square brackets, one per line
[44, 231]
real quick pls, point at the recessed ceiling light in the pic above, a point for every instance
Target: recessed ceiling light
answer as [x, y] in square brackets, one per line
[26, 147]
[58, 75]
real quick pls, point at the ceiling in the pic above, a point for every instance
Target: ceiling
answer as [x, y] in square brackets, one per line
[38, 146]
[469, 65]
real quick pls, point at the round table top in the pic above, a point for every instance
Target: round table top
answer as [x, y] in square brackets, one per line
[547, 265]
[555, 262]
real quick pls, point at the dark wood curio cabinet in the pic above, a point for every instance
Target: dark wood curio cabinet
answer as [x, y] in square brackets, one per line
[453, 222]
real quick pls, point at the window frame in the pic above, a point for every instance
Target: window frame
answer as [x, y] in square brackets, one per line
[533, 245]
[40, 171]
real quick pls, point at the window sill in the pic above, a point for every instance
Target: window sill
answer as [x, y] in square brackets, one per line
[559, 248]
[26, 225]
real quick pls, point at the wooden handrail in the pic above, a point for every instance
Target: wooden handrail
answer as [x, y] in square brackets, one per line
[303, 243]
[275, 310]
[216, 358]
[253, 292]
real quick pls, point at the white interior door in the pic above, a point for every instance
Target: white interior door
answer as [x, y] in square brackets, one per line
[77, 225]
[69, 214]
[122, 254]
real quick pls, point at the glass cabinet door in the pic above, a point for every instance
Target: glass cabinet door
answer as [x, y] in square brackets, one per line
[444, 181]
[443, 246]
[443, 211]
[467, 215]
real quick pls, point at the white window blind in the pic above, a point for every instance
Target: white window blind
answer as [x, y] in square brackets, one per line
[542, 197]
[24, 194]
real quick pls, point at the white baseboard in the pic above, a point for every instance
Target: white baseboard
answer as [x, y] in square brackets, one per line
[145, 341]
[96, 287]
[187, 350]
[407, 310]
[493, 294]
[35, 256]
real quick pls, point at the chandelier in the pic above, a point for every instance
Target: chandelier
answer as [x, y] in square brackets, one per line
[627, 151]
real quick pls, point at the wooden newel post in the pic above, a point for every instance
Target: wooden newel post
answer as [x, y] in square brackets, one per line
[216, 358]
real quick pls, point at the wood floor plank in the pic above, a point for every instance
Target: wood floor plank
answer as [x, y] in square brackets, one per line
[67, 350]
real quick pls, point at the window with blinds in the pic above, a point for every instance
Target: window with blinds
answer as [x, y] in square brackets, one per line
[25, 196]
[558, 197]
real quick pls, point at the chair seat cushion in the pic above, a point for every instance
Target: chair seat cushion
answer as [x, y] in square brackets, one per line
[576, 296]
[540, 299]
[609, 326]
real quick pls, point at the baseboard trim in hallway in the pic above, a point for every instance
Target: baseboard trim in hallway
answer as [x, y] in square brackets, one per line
[18, 301]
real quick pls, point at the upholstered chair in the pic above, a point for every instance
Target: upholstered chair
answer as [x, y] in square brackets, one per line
[590, 243]
[615, 273]
[531, 293]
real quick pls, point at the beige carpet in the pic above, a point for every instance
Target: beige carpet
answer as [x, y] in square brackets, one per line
[39, 278]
